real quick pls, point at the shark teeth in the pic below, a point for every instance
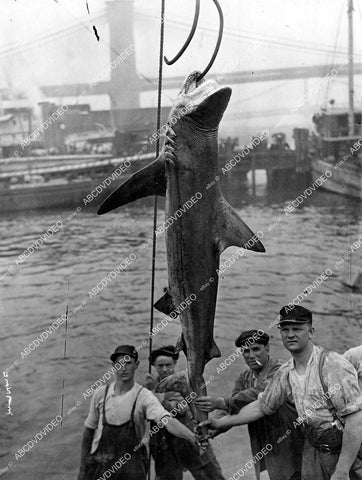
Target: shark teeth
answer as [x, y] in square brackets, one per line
[171, 131]
[171, 140]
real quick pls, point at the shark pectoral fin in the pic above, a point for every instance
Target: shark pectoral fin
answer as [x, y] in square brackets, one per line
[214, 352]
[231, 230]
[165, 304]
[150, 180]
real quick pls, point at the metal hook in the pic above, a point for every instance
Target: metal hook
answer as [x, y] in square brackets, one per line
[217, 46]
[189, 38]
[191, 34]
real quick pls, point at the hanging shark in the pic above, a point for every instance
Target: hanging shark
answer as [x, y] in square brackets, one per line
[200, 224]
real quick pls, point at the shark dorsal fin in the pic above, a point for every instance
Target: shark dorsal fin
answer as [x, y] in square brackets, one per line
[232, 231]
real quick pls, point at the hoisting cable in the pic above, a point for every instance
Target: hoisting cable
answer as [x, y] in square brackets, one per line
[160, 70]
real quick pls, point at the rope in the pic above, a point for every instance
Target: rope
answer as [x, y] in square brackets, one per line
[160, 69]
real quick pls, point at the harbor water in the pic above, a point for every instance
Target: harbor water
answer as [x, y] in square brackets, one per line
[52, 377]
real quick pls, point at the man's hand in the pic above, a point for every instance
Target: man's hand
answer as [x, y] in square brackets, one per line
[209, 404]
[213, 424]
[150, 382]
[202, 440]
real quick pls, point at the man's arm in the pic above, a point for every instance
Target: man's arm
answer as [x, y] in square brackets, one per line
[179, 430]
[243, 393]
[209, 404]
[351, 443]
[86, 448]
[250, 413]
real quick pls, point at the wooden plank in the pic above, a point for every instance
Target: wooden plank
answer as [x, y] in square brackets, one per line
[274, 159]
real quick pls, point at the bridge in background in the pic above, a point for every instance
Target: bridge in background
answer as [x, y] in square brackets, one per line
[247, 76]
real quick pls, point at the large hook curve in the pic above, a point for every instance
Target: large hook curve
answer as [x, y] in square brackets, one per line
[189, 38]
[219, 38]
[191, 34]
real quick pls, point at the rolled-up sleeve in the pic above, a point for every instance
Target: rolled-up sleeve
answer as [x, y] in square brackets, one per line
[342, 381]
[153, 409]
[276, 392]
[354, 356]
[93, 416]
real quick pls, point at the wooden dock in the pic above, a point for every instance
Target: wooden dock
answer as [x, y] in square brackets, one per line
[281, 165]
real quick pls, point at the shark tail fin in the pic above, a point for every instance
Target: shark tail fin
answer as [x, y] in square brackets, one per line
[150, 180]
[231, 230]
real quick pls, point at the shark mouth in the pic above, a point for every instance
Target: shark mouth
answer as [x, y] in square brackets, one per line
[191, 82]
[198, 90]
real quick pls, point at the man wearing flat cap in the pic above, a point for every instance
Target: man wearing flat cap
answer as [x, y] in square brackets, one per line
[172, 455]
[116, 424]
[283, 462]
[324, 386]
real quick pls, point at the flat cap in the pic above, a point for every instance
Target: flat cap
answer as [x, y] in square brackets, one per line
[249, 337]
[294, 314]
[124, 350]
[168, 351]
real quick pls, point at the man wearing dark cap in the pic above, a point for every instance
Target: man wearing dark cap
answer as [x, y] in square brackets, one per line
[283, 462]
[325, 390]
[115, 427]
[172, 455]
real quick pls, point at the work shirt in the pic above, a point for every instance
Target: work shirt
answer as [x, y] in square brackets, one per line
[249, 384]
[285, 457]
[118, 410]
[185, 453]
[339, 376]
[354, 355]
[175, 401]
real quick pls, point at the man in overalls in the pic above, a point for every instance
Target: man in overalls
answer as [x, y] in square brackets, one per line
[284, 461]
[114, 436]
[171, 454]
[324, 386]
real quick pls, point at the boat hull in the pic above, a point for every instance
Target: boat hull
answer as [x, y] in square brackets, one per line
[345, 179]
[37, 197]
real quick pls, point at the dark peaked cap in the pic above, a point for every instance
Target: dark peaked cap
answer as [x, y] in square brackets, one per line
[294, 314]
[251, 337]
[124, 350]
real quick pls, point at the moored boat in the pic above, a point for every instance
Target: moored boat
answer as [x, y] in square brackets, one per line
[43, 184]
[337, 145]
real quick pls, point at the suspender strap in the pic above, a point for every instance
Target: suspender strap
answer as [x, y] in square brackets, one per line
[133, 410]
[329, 402]
[104, 405]
[133, 407]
